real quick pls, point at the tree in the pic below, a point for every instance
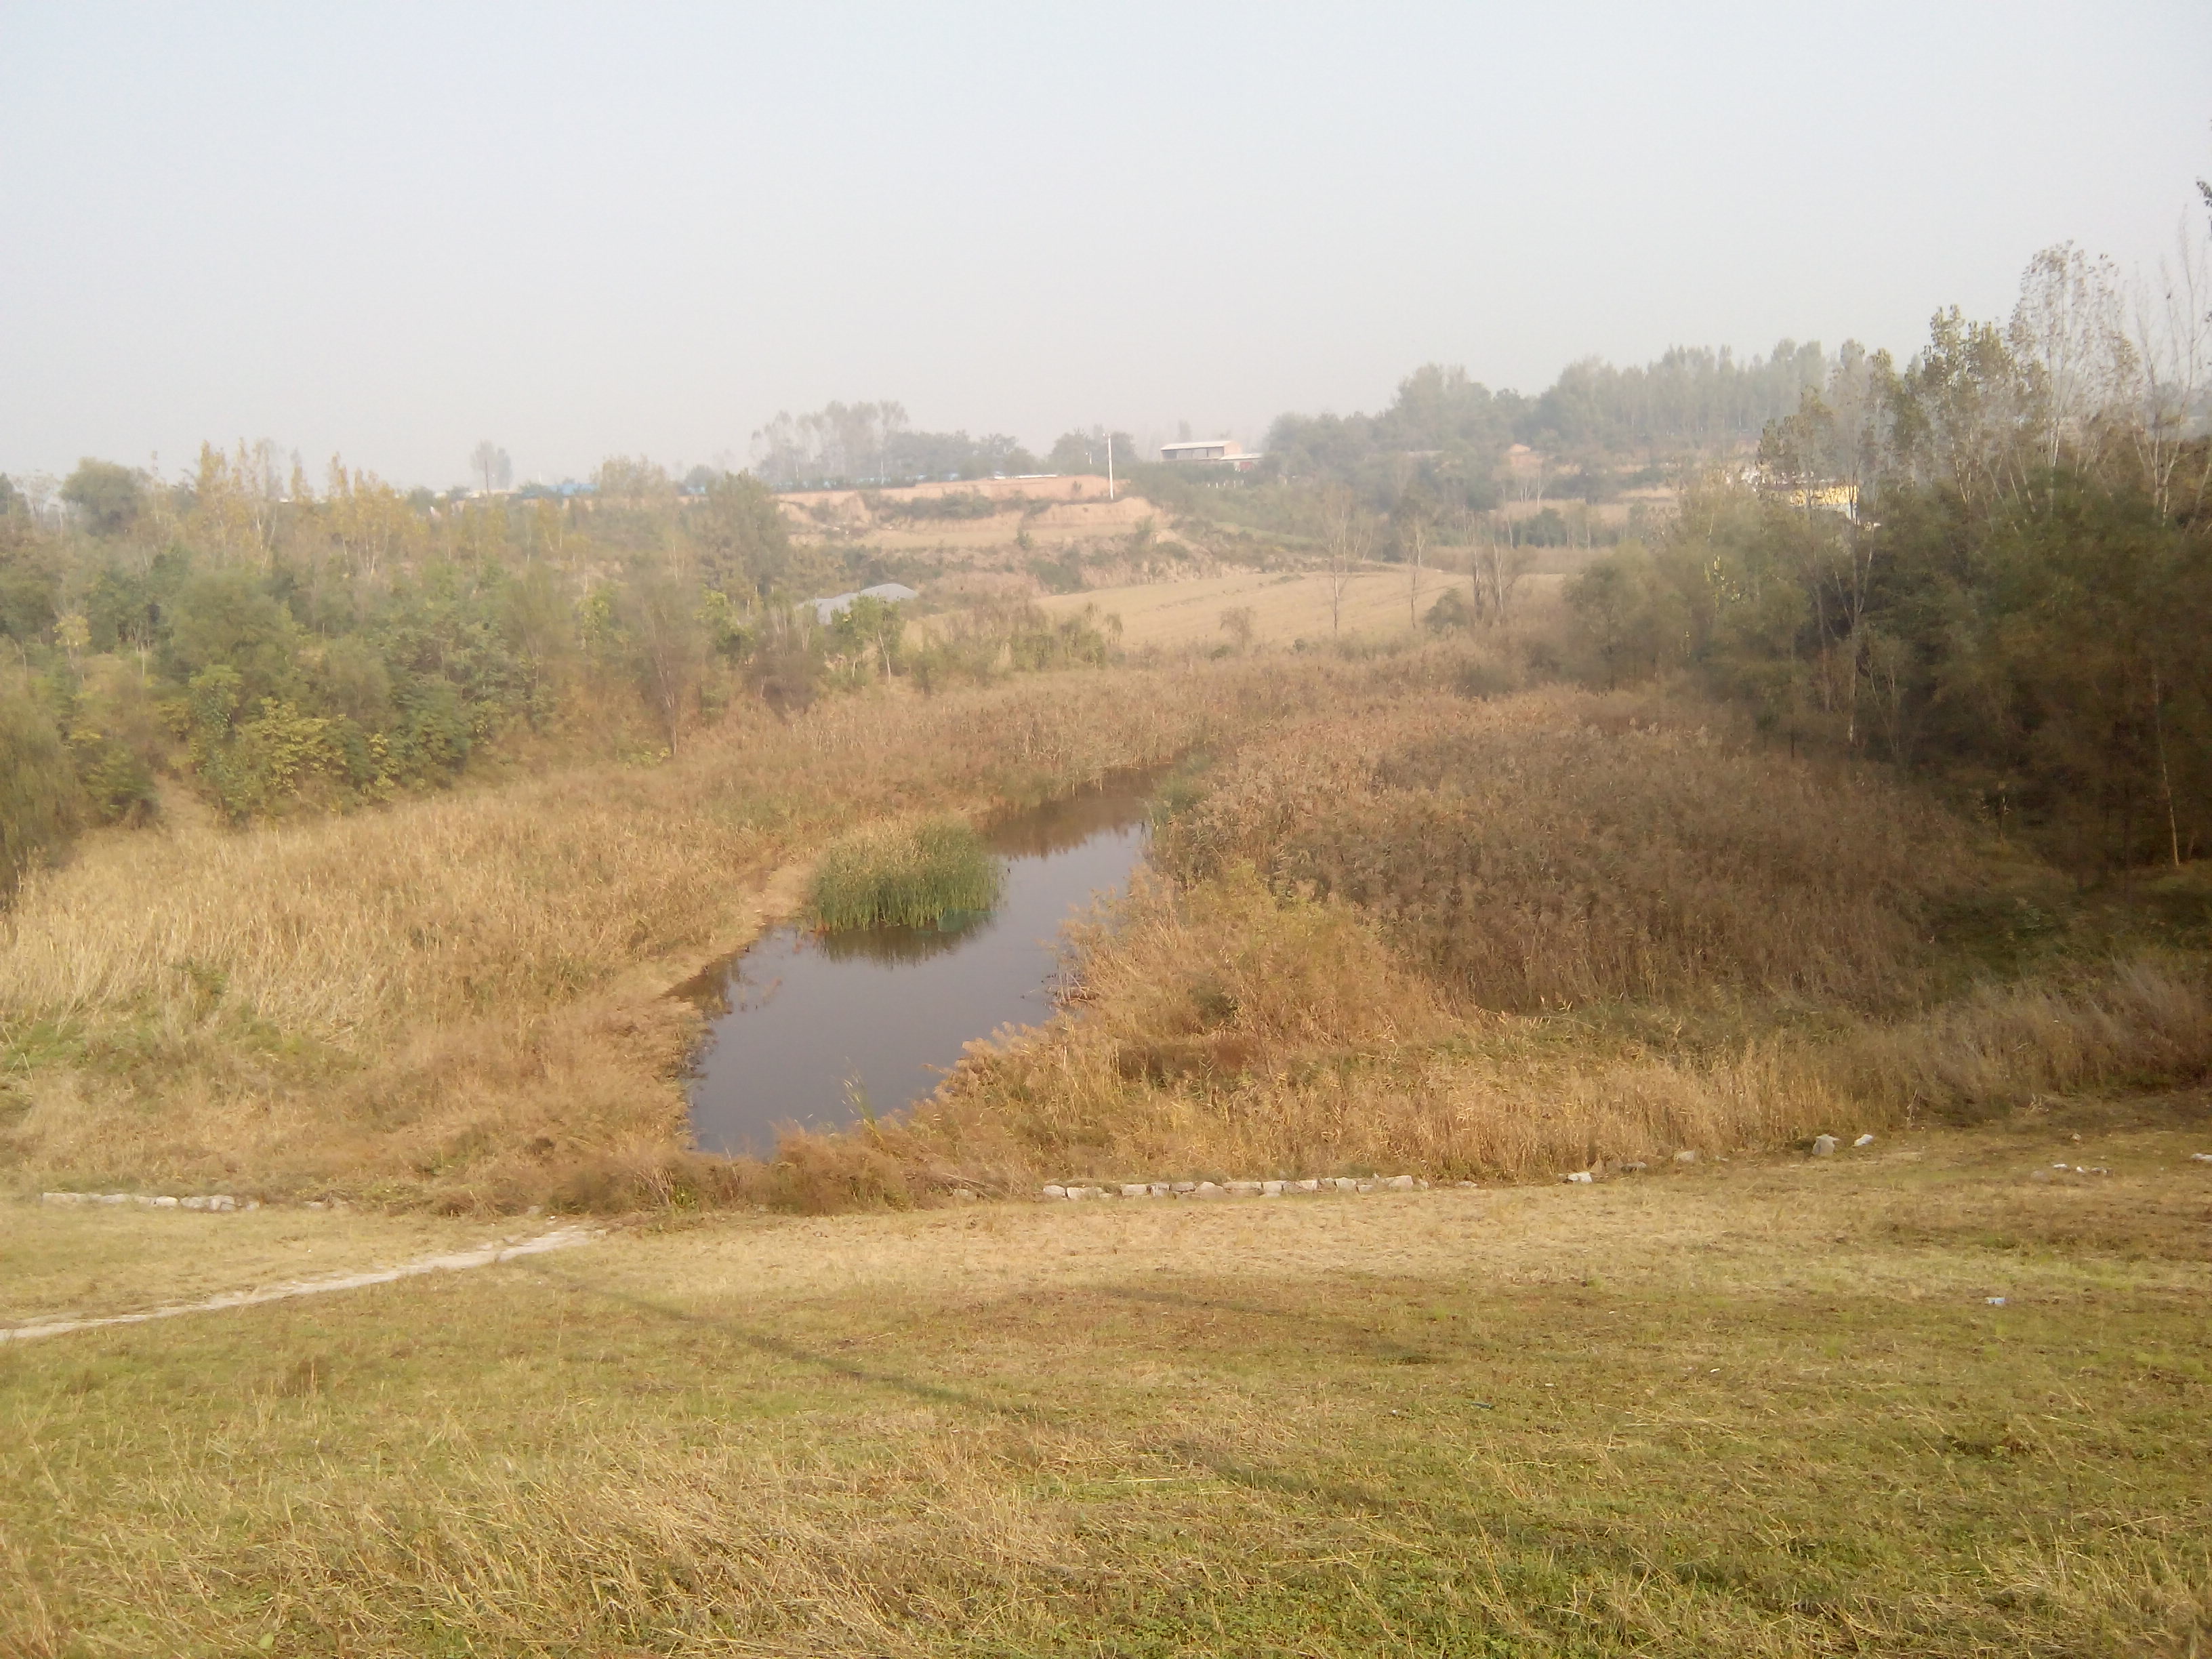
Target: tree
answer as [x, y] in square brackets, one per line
[869, 627]
[108, 496]
[1347, 536]
[1416, 520]
[39, 801]
[490, 463]
[1495, 568]
[1238, 621]
[223, 618]
[1085, 452]
[668, 644]
[2068, 332]
[744, 544]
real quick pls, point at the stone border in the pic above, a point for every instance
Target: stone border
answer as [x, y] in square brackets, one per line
[1058, 1192]
[150, 1201]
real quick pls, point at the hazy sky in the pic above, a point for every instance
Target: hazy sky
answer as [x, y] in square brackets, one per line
[392, 230]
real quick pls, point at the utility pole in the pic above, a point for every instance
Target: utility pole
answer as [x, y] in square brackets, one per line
[1109, 466]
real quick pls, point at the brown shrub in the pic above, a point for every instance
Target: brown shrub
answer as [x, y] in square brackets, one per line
[1347, 1061]
[1559, 846]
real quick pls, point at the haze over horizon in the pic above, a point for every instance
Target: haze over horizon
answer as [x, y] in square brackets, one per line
[578, 232]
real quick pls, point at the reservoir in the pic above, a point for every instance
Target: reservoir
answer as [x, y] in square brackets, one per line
[809, 1027]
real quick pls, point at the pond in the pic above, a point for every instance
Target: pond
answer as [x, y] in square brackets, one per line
[807, 1027]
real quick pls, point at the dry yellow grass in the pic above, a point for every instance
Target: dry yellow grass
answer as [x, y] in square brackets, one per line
[1584, 929]
[1058, 514]
[1515, 937]
[91, 1261]
[1227, 1033]
[1752, 1409]
[1186, 615]
[1558, 847]
[464, 996]
[471, 980]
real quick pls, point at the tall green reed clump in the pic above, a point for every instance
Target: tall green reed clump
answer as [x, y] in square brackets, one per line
[910, 875]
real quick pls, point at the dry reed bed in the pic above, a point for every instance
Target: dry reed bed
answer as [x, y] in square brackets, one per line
[1229, 1032]
[1400, 934]
[520, 896]
[1392, 934]
[1559, 846]
[462, 994]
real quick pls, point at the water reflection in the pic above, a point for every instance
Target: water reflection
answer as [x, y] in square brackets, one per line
[810, 1027]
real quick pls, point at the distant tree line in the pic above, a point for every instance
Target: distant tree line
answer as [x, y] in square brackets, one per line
[278, 648]
[1991, 564]
[872, 443]
[1691, 400]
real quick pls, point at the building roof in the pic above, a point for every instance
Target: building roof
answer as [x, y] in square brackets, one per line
[888, 593]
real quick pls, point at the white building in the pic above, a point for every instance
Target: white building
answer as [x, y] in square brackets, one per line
[1210, 452]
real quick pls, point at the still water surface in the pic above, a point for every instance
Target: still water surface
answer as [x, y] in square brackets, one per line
[807, 1026]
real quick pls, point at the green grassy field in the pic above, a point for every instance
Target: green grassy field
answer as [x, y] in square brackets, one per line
[1759, 1408]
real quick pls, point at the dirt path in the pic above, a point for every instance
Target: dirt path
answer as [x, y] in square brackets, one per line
[560, 1239]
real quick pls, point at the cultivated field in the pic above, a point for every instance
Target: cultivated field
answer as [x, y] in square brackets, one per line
[1761, 1408]
[1058, 514]
[1285, 607]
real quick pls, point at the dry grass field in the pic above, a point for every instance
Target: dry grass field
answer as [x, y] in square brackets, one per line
[1057, 512]
[1285, 607]
[90, 1261]
[1764, 1407]
[468, 992]
[462, 999]
[1411, 913]
[1408, 918]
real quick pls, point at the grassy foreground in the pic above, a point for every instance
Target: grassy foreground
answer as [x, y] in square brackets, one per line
[1753, 1407]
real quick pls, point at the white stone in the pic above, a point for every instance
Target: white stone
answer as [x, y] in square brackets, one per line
[61, 1197]
[1207, 1189]
[1824, 1145]
[1185, 1189]
[1307, 1186]
[1135, 1189]
[1270, 1190]
[1582, 1176]
[1634, 1168]
[1244, 1189]
[1863, 1141]
[1161, 1189]
[1362, 1186]
[165, 1203]
[2200, 1158]
[112, 1198]
[1053, 1190]
[1465, 1186]
[1400, 1183]
[1687, 1155]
